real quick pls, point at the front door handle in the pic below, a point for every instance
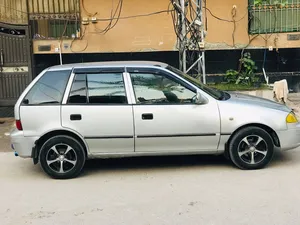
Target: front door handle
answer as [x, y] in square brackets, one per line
[147, 116]
[75, 117]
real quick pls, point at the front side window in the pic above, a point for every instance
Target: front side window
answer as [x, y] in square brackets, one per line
[49, 89]
[217, 94]
[158, 89]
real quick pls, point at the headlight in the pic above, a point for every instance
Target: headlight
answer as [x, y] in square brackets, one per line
[291, 118]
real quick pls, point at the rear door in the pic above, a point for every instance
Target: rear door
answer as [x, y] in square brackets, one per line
[97, 107]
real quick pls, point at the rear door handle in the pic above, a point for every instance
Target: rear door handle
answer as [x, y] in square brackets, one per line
[75, 117]
[147, 116]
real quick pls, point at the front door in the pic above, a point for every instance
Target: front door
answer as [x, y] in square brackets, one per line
[167, 120]
[15, 62]
[97, 108]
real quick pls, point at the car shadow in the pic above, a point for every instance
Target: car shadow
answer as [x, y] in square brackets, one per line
[168, 162]
[162, 163]
[155, 162]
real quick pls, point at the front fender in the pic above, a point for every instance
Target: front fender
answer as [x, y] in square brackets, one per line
[234, 116]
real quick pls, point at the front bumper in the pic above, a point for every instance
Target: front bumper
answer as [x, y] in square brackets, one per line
[22, 145]
[290, 138]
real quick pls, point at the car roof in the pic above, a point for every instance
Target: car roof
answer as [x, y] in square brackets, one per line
[110, 64]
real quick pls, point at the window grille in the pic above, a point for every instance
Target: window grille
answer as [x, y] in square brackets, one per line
[52, 19]
[13, 11]
[274, 16]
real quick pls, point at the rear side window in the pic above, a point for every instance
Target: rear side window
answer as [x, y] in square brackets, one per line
[102, 88]
[106, 88]
[49, 89]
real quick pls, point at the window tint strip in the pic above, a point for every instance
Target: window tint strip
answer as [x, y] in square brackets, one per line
[99, 70]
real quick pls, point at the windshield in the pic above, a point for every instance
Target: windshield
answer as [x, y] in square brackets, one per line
[217, 94]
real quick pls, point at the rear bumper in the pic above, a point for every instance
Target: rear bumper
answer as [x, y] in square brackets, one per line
[290, 138]
[22, 145]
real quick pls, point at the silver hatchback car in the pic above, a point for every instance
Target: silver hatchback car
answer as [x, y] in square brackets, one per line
[75, 112]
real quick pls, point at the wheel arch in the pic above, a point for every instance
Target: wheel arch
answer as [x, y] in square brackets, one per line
[272, 133]
[39, 143]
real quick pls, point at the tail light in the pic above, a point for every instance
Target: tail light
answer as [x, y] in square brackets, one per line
[19, 125]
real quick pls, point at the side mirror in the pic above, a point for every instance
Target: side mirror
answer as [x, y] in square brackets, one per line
[25, 101]
[199, 99]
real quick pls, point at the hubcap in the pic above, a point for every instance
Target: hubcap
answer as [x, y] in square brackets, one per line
[61, 158]
[252, 149]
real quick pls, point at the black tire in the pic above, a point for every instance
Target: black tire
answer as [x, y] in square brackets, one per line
[54, 156]
[244, 156]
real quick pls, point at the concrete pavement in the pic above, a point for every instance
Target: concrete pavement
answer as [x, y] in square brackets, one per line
[155, 190]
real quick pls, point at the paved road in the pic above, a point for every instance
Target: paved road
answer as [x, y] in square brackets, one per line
[162, 190]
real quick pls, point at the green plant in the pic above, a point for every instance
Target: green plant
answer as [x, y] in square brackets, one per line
[246, 75]
[276, 3]
[231, 76]
[237, 87]
[255, 79]
[248, 68]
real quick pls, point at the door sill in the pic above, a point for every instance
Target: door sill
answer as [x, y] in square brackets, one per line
[138, 154]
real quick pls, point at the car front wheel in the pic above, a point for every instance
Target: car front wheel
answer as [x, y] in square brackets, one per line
[62, 157]
[251, 148]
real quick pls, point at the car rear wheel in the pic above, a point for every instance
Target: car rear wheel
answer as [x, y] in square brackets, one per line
[62, 157]
[251, 148]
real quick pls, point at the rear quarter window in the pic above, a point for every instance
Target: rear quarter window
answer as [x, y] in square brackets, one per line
[49, 89]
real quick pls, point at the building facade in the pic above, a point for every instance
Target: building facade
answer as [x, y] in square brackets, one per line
[35, 34]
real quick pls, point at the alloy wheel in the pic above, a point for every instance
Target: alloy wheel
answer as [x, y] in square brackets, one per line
[61, 158]
[252, 149]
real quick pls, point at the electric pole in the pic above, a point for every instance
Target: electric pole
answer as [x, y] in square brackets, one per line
[183, 32]
[190, 35]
